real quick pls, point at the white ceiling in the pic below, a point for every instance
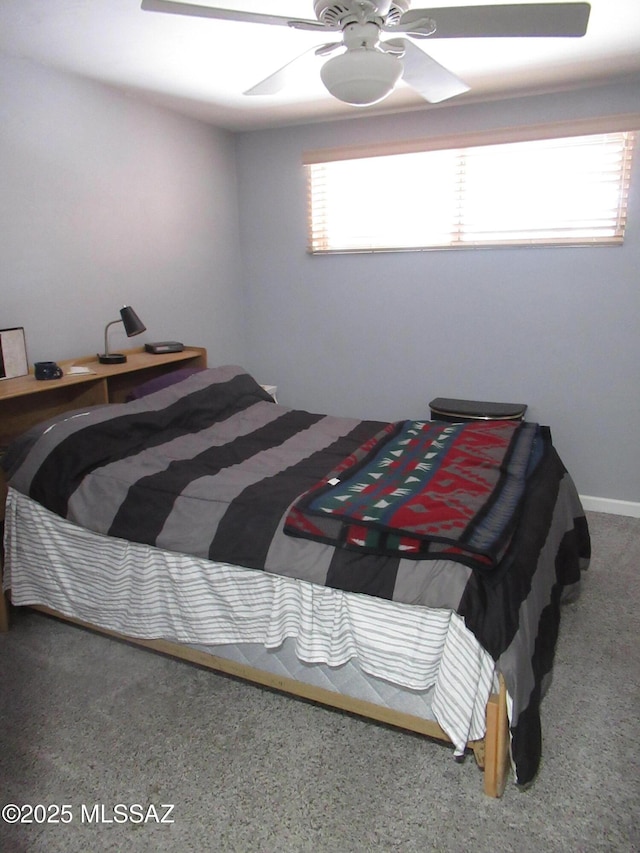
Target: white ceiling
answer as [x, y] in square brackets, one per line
[202, 66]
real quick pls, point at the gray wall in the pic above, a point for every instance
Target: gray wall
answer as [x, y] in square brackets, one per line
[107, 201]
[379, 335]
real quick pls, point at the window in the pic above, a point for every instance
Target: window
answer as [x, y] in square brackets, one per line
[568, 190]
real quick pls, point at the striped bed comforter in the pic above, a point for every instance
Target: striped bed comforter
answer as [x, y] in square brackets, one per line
[211, 467]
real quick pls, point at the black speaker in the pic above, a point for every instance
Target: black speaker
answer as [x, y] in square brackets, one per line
[164, 346]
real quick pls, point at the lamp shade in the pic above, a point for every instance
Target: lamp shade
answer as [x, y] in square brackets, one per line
[361, 77]
[133, 325]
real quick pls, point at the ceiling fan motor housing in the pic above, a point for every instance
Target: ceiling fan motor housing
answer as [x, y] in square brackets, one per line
[334, 14]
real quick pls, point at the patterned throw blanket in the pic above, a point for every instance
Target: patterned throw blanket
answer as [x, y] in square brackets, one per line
[427, 491]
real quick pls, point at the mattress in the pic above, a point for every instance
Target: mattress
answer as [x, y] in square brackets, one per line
[415, 659]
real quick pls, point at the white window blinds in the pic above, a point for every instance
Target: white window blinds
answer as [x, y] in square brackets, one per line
[551, 191]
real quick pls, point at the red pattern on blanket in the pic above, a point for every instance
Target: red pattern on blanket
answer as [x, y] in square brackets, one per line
[425, 490]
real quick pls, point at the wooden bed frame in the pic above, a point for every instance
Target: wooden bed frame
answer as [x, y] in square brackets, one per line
[491, 752]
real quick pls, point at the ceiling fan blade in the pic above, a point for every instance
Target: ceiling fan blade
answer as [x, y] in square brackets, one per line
[420, 28]
[430, 79]
[196, 11]
[279, 79]
[509, 21]
[326, 49]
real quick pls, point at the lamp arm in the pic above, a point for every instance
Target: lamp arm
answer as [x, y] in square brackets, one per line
[106, 337]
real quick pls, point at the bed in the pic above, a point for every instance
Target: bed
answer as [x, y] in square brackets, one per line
[411, 572]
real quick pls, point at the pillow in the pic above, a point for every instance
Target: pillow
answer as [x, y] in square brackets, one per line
[160, 382]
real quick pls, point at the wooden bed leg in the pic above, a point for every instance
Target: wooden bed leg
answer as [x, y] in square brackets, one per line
[478, 747]
[4, 610]
[496, 758]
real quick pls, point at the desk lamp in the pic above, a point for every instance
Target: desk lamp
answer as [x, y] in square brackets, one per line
[133, 325]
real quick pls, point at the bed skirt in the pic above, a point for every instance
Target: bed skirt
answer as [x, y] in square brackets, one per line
[412, 659]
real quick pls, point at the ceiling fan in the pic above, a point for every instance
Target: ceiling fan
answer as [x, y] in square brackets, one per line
[368, 68]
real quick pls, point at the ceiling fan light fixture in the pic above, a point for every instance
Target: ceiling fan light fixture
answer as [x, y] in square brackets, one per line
[361, 77]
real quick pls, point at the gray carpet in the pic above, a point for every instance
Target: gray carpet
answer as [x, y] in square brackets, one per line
[86, 720]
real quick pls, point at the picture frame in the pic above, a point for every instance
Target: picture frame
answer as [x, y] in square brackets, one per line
[13, 353]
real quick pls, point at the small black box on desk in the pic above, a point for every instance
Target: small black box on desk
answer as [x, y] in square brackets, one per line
[164, 346]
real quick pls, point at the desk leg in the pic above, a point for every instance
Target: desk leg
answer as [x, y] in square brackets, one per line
[4, 603]
[4, 613]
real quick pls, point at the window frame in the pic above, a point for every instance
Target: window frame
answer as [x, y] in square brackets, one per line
[627, 123]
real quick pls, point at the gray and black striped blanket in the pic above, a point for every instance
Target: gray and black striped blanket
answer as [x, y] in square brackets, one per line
[211, 466]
